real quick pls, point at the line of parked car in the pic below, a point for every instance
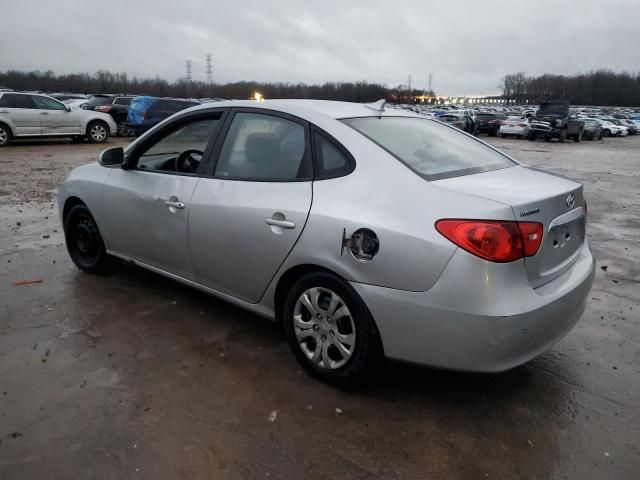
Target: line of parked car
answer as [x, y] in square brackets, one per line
[91, 117]
[548, 121]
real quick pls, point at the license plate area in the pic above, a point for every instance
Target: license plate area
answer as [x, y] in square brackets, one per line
[567, 234]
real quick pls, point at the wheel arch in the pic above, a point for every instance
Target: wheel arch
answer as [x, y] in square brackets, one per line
[69, 203]
[293, 274]
[10, 127]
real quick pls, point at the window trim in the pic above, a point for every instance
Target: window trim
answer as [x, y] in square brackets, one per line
[317, 154]
[435, 176]
[307, 157]
[133, 157]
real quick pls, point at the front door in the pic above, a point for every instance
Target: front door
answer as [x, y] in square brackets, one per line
[149, 206]
[54, 117]
[245, 220]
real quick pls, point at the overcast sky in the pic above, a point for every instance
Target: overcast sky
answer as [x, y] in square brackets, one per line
[468, 45]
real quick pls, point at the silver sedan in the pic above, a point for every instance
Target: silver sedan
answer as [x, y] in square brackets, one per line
[366, 231]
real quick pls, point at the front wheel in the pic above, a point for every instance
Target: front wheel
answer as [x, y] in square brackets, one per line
[563, 136]
[578, 137]
[97, 132]
[84, 242]
[531, 137]
[607, 133]
[330, 329]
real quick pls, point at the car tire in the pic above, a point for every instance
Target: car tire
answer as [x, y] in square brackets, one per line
[531, 137]
[122, 128]
[5, 135]
[97, 132]
[606, 133]
[563, 136]
[578, 137]
[320, 342]
[84, 242]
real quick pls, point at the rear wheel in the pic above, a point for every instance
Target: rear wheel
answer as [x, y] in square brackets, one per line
[97, 132]
[5, 135]
[531, 137]
[122, 128]
[330, 329]
[84, 242]
[607, 133]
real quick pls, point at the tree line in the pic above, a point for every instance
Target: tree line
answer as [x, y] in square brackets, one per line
[104, 81]
[600, 87]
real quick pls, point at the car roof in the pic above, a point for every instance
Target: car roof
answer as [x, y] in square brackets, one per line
[298, 107]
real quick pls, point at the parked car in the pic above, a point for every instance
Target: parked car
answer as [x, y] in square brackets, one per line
[629, 124]
[115, 105]
[489, 122]
[555, 120]
[592, 130]
[145, 112]
[515, 127]
[34, 115]
[486, 259]
[461, 121]
[610, 129]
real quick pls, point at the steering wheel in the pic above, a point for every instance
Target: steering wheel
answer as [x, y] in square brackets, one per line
[188, 161]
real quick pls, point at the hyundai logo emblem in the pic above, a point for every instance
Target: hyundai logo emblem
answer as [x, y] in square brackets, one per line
[571, 199]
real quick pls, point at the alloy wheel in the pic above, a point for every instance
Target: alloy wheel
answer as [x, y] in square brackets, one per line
[4, 136]
[324, 328]
[98, 132]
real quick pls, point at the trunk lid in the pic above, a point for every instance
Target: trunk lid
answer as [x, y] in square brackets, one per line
[535, 196]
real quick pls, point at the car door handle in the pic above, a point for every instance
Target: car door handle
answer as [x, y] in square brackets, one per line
[174, 204]
[44, 113]
[280, 223]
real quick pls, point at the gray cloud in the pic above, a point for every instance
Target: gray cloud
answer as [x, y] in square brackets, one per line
[468, 45]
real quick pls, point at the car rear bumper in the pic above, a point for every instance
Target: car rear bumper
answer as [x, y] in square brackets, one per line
[488, 320]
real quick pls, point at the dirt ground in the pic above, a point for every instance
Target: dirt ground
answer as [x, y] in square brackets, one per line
[134, 376]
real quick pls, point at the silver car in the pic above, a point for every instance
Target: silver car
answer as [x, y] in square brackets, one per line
[365, 231]
[31, 115]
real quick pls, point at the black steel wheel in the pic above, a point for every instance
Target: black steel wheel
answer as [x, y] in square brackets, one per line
[84, 242]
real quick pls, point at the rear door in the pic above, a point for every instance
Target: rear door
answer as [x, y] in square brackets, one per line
[247, 216]
[21, 110]
[148, 207]
[54, 117]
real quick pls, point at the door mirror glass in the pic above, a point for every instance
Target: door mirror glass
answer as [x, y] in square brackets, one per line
[111, 157]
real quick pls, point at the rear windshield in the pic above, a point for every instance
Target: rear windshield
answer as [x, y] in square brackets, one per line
[97, 101]
[486, 116]
[429, 148]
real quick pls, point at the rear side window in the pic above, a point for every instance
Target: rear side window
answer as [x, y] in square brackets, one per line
[264, 147]
[430, 149]
[18, 101]
[331, 161]
[122, 101]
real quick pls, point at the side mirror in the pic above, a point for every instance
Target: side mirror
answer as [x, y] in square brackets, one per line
[111, 157]
[67, 108]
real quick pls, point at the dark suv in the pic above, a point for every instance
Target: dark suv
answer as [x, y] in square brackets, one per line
[145, 112]
[115, 105]
[488, 122]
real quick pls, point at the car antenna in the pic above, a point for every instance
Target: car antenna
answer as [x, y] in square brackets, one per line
[377, 106]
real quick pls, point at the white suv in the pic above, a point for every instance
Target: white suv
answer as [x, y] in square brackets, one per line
[28, 115]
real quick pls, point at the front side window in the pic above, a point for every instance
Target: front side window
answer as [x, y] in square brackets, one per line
[263, 147]
[181, 150]
[429, 148]
[46, 103]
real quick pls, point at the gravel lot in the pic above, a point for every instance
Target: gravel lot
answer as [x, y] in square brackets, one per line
[134, 376]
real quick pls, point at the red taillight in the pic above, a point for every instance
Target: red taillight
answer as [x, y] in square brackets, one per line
[103, 108]
[522, 124]
[494, 240]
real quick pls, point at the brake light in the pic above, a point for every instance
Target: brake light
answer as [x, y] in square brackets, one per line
[522, 124]
[493, 240]
[103, 108]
